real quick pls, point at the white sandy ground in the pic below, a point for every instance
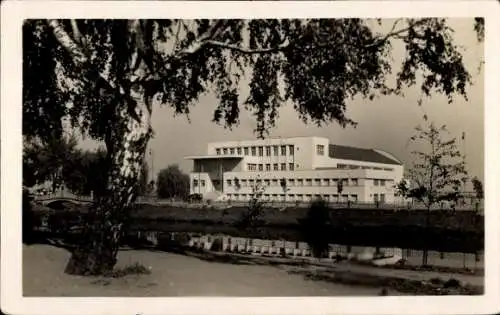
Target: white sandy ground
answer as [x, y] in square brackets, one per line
[177, 275]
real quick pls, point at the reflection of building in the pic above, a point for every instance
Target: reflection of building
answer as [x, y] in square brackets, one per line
[295, 169]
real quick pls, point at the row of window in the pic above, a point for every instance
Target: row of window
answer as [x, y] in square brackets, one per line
[293, 182]
[276, 167]
[297, 197]
[257, 150]
[303, 182]
[355, 167]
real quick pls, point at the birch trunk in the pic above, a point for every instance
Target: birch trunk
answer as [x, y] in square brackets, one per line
[126, 146]
[126, 140]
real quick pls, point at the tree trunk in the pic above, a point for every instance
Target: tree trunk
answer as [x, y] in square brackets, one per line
[126, 144]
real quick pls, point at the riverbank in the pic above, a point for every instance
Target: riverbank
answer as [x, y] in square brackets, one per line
[199, 274]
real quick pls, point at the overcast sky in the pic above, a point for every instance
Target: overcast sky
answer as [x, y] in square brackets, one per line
[385, 123]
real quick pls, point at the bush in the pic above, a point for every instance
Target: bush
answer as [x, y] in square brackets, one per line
[135, 269]
[316, 228]
[452, 283]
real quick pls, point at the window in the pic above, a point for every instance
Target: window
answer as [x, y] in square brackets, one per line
[290, 149]
[275, 149]
[326, 197]
[245, 150]
[317, 182]
[345, 198]
[366, 167]
[231, 151]
[300, 197]
[225, 151]
[243, 182]
[308, 182]
[268, 167]
[354, 198]
[228, 182]
[382, 198]
[268, 151]
[326, 182]
[377, 168]
[317, 197]
[382, 182]
[388, 169]
[275, 166]
[252, 167]
[258, 181]
[345, 182]
[267, 182]
[375, 182]
[300, 182]
[202, 183]
[354, 182]
[335, 198]
[275, 182]
[261, 151]
[375, 197]
[291, 196]
[239, 150]
[283, 150]
[254, 152]
[290, 166]
[250, 181]
[335, 181]
[217, 151]
[283, 166]
[291, 182]
[261, 167]
[320, 149]
[195, 183]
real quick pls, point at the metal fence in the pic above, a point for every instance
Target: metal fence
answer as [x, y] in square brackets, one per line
[471, 205]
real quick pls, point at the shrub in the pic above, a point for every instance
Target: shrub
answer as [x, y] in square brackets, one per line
[135, 269]
[316, 228]
[452, 283]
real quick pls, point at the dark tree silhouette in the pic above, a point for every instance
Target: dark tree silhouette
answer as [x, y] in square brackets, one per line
[47, 160]
[317, 227]
[106, 75]
[172, 183]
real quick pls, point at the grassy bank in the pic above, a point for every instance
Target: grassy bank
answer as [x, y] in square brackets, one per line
[450, 232]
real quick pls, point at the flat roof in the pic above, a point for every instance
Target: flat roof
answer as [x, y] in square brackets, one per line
[212, 157]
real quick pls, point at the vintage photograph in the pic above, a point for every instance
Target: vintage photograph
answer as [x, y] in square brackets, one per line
[283, 157]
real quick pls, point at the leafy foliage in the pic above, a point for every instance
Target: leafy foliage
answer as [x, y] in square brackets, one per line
[322, 63]
[172, 183]
[478, 188]
[43, 161]
[316, 227]
[254, 215]
[439, 173]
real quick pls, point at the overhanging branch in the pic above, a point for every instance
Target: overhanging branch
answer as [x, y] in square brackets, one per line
[75, 51]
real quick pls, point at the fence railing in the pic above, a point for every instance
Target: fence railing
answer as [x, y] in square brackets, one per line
[413, 205]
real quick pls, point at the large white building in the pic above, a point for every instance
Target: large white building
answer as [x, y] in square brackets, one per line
[295, 169]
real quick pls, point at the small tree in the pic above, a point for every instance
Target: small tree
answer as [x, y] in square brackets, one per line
[478, 189]
[252, 218]
[316, 228]
[438, 172]
[172, 182]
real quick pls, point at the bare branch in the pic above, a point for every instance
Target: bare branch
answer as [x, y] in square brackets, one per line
[393, 33]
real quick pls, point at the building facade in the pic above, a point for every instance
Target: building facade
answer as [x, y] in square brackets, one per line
[295, 169]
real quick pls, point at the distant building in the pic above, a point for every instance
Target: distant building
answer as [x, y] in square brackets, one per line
[295, 169]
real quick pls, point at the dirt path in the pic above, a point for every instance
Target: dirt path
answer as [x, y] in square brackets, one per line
[172, 275]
